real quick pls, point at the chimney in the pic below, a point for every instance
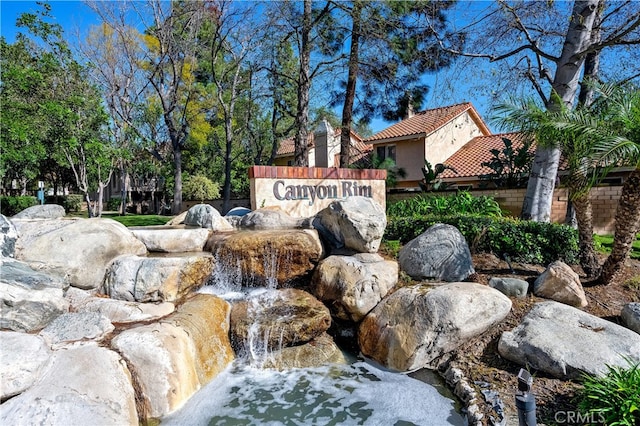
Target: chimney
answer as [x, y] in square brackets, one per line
[410, 112]
[323, 144]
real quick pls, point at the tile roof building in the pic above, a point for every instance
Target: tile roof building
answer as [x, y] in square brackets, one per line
[323, 148]
[432, 135]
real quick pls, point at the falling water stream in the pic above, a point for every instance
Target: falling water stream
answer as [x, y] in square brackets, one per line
[355, 393]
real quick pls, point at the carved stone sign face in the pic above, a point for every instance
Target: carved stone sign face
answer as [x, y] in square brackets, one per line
[304, 191]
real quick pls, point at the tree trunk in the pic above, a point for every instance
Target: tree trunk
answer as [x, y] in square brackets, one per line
[539, 196]
[226, 189]
[592, 61]
[176, 206]
[350, 95]
[588, 259]
[99, 208]
[627, 226]
[304, 85]
[87, 199]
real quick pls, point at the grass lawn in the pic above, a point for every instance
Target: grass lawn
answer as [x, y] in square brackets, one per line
[139, 220]
[130, 219]
[605, 242]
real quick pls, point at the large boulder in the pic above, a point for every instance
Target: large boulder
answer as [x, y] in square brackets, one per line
[566, 342]
[318, 352]
[44, 211]
[29, 300]
[631, 316]
[266, 257]
[206, 216]
[268, 219]
[439, 253]
[174, 358]
[79, 249]
[278, 318]
[117, 311]
[355, 223]
[22, 357]
[353, 285]
[156, 279]
[165, 239]
[177, 220]
[560, 283]
[416, 325]
[238, 211]
[512, 287]
[8, 237]
[86, 384]
[76, 327]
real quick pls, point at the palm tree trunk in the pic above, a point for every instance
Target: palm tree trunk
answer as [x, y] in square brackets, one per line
[584, 214]
[627, 225]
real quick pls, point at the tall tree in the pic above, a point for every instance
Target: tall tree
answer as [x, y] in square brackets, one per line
[229, 43]
[115, 53]
[52, 107]
[389, 52]
[313, 33]
[530, 34]
[169, 63]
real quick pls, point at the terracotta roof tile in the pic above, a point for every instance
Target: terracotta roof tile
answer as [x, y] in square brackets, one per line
[287, 146]
[427, 121]
[468, 160]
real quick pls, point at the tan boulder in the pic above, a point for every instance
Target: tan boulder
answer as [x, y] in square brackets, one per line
[560, 283]
[353, 285]
[268, 257]
[319, 351]
[278, 318]
[172, 359]
[416, 325]
[156, 279]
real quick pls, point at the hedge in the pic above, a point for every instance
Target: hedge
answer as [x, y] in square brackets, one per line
[10, 206]
[519, 240]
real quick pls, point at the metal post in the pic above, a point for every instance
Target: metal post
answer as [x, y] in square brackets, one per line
[525, 400]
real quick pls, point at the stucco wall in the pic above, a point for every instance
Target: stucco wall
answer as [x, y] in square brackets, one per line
[436, 148]
[445, 141]
[410, 156]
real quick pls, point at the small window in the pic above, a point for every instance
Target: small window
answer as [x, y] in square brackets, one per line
[388, 151]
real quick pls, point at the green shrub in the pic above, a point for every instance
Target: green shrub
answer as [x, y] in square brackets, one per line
[200, 188]
[614, 398]
[461, 203]
[113, 203]
[71, 202]
[521, 241]
[9, 206]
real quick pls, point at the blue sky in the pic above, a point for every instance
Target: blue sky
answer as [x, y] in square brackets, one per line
[70, 14]
[75, 16]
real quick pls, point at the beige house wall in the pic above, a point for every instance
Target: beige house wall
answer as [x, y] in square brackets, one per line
[435, 148]
[410, 157]
[448, 139]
